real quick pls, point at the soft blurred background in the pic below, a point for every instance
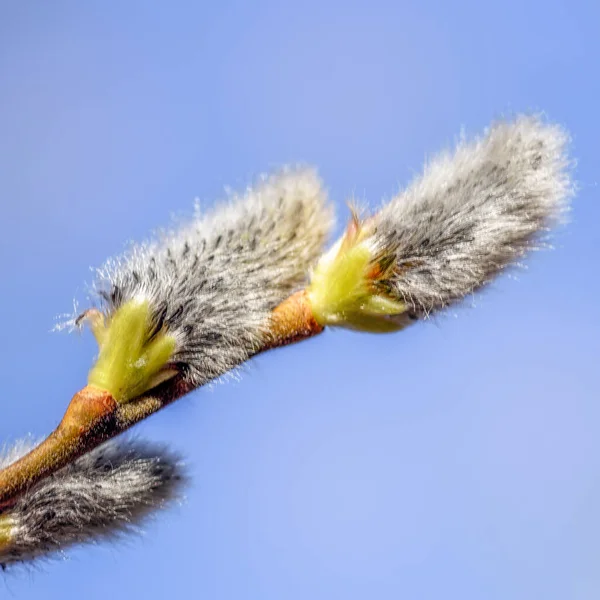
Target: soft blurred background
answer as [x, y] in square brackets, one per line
[458, 459]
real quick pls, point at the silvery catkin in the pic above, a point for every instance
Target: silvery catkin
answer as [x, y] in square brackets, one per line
[473, 212]
[212, 284]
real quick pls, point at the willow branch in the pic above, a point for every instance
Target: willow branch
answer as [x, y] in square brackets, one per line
[179, 312]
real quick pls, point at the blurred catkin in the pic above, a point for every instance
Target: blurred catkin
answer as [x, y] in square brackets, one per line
[101, 495]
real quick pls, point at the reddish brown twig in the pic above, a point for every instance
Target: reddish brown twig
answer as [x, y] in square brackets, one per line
[93, 416]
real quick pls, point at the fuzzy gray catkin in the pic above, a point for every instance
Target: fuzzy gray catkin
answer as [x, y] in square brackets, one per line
[473, 212]
[213, 283]
[101, 495]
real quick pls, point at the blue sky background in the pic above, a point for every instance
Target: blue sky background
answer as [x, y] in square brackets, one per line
[458, 459]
